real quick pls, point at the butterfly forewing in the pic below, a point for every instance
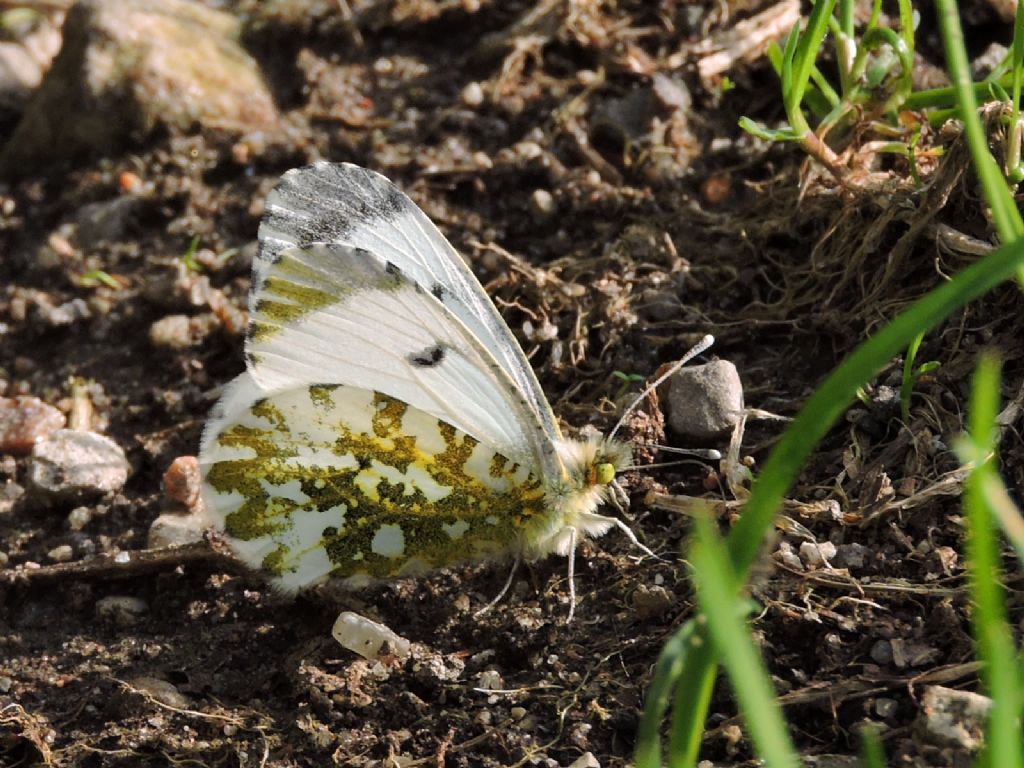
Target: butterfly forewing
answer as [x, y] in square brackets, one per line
[333, 314]
[336, 479]
[343, 203]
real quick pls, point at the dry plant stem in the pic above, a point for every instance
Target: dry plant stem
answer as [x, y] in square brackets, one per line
[748, 40]
[124, 565]
[861, 687]
[822, 152]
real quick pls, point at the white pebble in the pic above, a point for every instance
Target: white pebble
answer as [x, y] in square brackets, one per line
[367, 638]
[79, 517]
[815, 554]
[490, 680]
[61, 554]
[473, 95]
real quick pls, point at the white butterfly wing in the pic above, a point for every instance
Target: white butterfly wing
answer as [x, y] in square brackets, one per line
[343, 203]
[330, 313]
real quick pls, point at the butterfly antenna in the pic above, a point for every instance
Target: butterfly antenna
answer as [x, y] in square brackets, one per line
[708, 454]
[695, 350]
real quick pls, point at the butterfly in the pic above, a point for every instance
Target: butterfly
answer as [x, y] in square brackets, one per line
[387, 423]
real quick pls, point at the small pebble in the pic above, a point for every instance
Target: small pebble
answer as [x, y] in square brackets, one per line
[652, 602]
[542, 205]
[161, 691]
[952, 718]
[881, 652]
[172, 331]
[368, 638]
[785, 555]
[473, 95]
[705, 401]
[61, 554]
[586, 760]
[886, 707]
[817, 554]
[850, 556]
[517, 713]
[121, 610]
[24, 421]
[79, 517]
[183, 481]
[490, 680]
[171, 530]
[10, 493]
[73, 465]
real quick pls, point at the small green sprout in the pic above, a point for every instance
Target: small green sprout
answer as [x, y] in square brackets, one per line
[189, 257]
[627, 379]
[98, 277]
[911, 375]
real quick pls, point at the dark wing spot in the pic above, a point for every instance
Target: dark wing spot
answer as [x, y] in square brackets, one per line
[394, 204]
[329, 532]
[437, 290]
[392, 269]
[365, 462]
[428, 357]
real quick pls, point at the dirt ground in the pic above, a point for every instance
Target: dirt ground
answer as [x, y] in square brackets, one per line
[603, 193]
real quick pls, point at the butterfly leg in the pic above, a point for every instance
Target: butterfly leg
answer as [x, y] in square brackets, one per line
[618, 497]
[572, 574]
[626, 530]
[504, 589]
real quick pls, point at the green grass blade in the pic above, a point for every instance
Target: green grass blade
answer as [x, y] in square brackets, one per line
[1007, 513]
[1001, 672]
[692, 699]
[872, 754]
[698, 660]
[666, 674]
[1004, 211]
[807, 51]
[717, 592]
[831, 399]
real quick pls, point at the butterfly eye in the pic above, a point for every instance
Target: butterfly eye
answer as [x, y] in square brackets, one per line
[603, 473]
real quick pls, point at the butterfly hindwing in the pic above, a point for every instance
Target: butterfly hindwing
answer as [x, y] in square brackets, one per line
[343, 203]
[332, 479]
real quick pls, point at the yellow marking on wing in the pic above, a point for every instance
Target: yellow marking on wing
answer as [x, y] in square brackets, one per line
[451, 498]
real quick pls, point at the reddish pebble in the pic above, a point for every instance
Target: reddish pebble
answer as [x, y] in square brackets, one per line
[182, 481]
[130, 182]
[717, 189]
[23, 421]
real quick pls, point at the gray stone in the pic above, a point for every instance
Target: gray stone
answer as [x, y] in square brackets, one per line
[951, 718]
[69, 465]
[171, 530]
[705, 401]
[881, 652]
[850, 556]
[122, 610]
[129, 66]
[105, 221]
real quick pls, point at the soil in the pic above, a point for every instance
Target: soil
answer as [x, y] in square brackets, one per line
[605, 196]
